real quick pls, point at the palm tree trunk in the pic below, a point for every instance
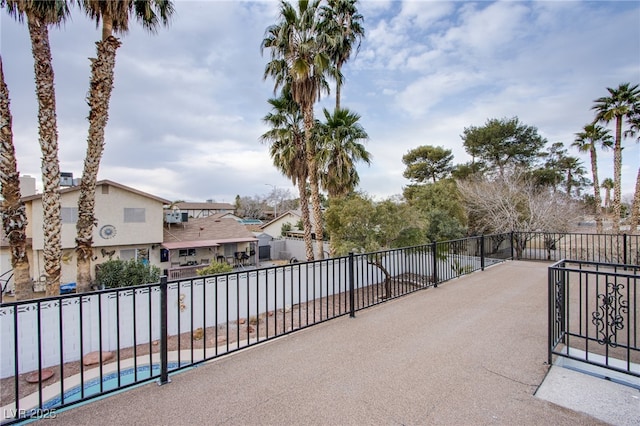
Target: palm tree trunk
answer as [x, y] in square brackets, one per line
[14, 216]
[102, 71]
[635, 207]
[48, 135]
[617, 176]
[596, 189]
[306, 220]
[313, 178]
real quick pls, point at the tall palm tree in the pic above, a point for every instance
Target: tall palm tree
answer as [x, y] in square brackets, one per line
[342, 20]
[607, 184]
[114, 16]
[299, 58]
[620, 105]
[14, 216]
[41, 14]
[592, 137]
[339, 150]
[634, 129]
[287, 149]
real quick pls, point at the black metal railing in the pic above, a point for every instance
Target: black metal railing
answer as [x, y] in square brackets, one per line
[602, 248]
[143, 333]
[137, 334]
[594, 314]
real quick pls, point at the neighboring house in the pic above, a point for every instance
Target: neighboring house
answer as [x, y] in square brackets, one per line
[128, 226]
[198, 210]
[189, 245]
[292, 218]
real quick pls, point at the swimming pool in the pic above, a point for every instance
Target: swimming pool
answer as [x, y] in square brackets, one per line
[109, 383]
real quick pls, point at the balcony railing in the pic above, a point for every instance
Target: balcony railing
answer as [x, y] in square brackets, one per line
[143, 333]
[594, 314]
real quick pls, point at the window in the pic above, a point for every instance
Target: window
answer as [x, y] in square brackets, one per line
[141, 255]
[187, 252]
[69, 214]
[134, 215]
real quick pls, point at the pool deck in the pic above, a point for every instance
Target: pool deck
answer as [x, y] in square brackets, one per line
[472, 351]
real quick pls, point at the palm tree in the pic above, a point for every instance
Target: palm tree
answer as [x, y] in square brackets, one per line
[620, 105]
[588, 140]
[342, 20]
[14, 216]
[339, 150]
[607, 184]
[299, 58]
[41, 14]
[287, 149]
[115, 19]
[634, 129]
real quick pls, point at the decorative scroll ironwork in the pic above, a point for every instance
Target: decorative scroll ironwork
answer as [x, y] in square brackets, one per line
[609, 316]
[559, 299]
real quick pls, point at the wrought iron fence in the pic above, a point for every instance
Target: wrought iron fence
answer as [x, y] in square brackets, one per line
[137, 334]
[602, 248]
[594, 314]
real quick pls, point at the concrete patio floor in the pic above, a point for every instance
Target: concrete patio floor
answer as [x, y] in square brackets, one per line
[472, 351]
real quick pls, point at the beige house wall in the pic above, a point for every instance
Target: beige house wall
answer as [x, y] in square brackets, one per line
[275, 228]
[126, 239]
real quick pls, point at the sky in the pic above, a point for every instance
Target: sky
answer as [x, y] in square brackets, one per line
[188, 102]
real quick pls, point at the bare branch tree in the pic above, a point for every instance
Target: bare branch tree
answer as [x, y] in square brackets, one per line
[514, 203]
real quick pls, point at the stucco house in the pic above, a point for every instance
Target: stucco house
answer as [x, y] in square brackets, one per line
[290, 218]
[129, 226]
[189, 245]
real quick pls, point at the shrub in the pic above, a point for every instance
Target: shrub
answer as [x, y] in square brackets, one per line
[120, 273]
[215, 268]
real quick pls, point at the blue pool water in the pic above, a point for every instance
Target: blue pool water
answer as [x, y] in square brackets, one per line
[109, 382]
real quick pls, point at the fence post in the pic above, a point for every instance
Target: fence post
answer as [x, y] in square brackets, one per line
[482, 252]
[352, 304]
[512, 236]
[435, 264]
[624, 249]
[164, 373]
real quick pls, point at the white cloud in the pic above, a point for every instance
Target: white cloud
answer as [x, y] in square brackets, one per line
[187, 105]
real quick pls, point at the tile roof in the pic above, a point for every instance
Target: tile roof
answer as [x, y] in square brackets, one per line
[206, 230]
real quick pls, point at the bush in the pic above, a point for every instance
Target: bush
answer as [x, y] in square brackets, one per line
[215, 267]
[120, 273]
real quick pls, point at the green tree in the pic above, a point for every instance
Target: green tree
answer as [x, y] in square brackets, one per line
[114, 16]
[589, 140]
[358, 224]
[288, 152]
[621, 105]
[339, 148]
[467, 170]
[440, 207]
[503, 142]
[300, 59]
[13, 212]
[343, 22]
[427, 162]
[40, 15]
